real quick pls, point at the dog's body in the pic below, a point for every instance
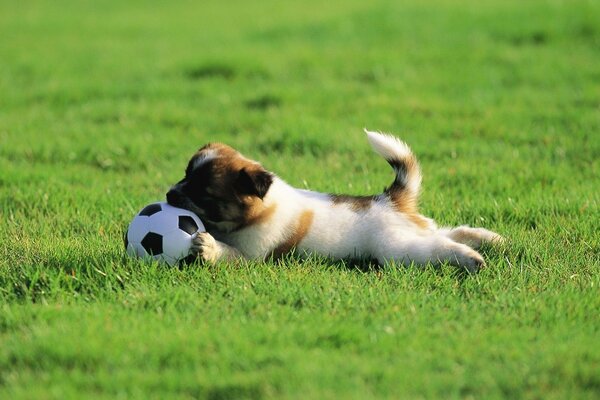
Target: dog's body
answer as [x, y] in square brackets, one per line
[251, 213]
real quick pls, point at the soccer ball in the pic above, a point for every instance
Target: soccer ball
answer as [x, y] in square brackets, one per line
[162, 232]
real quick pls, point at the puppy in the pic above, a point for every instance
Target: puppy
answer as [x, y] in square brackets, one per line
[251, 213]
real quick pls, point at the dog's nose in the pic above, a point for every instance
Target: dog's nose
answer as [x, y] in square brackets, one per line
[174, 197]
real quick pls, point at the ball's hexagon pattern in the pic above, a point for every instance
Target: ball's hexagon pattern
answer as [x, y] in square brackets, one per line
[153, 243]
[166, 258]
[187, 224]
[151, 209]
[130, 250]
[177, 244]
[136, 250]
[180, 211]
[163, 222]
[137, 229]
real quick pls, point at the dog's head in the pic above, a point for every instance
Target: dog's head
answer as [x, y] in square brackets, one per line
[225, 189]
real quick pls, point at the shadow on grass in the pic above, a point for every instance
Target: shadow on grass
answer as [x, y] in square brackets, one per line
[371, 265]
[211, 71]
[263, 102]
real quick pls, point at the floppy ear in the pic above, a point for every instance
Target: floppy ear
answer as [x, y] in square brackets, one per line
[254, 183]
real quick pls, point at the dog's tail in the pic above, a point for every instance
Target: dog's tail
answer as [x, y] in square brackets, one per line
[404, 191]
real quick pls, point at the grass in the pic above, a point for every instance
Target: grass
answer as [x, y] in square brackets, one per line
[102, 103]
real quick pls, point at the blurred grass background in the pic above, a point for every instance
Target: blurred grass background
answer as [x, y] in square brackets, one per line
[103, 102]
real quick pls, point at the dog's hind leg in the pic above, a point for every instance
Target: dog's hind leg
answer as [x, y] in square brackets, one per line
[434, 249]
[472, 237]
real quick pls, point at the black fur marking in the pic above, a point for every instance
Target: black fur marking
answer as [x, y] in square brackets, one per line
[210, 207]
[254, 183]
[355, 202]
[401, 170]
[190, 167]
[200, 177]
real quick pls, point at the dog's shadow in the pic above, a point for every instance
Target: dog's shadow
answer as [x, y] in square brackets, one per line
[362, 265]
[366, 265]
[371, 265]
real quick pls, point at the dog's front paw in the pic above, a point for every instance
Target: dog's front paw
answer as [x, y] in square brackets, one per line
[205, 247]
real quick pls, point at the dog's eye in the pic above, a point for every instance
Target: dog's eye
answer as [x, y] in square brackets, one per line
[211, 208]
[201, 176]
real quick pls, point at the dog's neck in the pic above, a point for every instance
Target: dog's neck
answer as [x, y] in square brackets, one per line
[288, 203]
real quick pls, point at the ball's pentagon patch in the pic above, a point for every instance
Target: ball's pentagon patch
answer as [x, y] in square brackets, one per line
[187, 224]
[151, 209]
[163, 222]
[177, 244]
[153, 243]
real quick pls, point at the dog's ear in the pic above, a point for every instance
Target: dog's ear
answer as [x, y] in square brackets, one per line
[253, 182]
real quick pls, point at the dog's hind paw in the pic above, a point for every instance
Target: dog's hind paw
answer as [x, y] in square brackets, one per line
[466, 258]
[472, 262]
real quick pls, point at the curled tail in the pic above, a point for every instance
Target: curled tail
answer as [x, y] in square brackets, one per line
[404, 191]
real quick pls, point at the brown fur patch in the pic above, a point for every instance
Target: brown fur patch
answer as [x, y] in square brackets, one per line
[241, 209]
[300, 231]
[462, 235]
[419, 220]
[404, 199]
[406, 204]
[259, 215]
[356, 203]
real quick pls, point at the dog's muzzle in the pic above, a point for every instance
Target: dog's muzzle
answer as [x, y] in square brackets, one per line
[176, 198]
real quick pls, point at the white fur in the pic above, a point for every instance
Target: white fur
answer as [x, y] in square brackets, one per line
[387, 146]
[204, 157]
[392, 148]
[338, 231]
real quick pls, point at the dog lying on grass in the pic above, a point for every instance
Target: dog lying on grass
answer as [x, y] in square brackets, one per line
[251, 213]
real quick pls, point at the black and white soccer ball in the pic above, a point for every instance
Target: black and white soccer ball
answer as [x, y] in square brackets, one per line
[162, 232]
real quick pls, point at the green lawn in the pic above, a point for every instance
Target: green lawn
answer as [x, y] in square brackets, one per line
[103, 102]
